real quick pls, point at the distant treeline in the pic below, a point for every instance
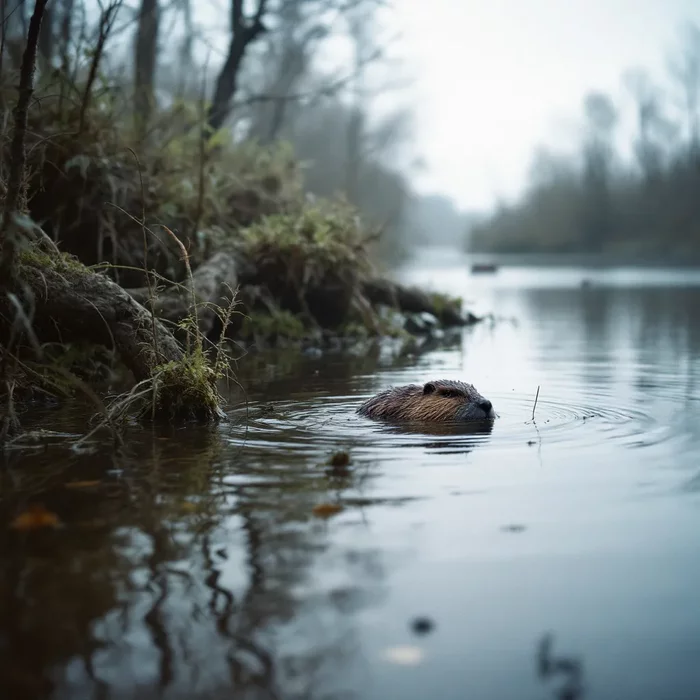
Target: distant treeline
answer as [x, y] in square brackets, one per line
[599, 202]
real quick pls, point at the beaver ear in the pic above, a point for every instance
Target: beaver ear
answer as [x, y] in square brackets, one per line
[428, 388]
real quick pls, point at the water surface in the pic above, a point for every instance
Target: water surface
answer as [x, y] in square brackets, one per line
[192, 564]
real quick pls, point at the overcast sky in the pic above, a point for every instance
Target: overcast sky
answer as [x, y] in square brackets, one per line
[495, 78]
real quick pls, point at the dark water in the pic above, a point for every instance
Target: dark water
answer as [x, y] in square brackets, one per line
[191, 565]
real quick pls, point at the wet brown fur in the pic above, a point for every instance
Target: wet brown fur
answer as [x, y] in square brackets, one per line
[441, 402]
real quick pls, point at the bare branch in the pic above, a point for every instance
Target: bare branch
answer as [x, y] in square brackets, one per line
[107, 18]
[328, 90]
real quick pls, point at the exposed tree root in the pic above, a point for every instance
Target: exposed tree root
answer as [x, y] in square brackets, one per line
[79, 304]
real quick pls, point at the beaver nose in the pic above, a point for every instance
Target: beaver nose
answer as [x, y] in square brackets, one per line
[485, 405]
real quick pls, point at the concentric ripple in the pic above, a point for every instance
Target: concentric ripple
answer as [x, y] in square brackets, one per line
[330, 422]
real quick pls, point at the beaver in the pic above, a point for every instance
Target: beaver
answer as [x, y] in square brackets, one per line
[442, 400]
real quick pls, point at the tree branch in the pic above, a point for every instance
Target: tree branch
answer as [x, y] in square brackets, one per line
[227, 83]
[236, 16]
[105, 27]
[257, 25]
[327, 90]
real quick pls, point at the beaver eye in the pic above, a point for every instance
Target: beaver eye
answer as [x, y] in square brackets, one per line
[450, 393]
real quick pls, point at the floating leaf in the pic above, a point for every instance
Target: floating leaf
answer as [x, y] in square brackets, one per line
[327, 510]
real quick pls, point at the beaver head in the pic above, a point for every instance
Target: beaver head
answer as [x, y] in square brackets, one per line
[442, 400]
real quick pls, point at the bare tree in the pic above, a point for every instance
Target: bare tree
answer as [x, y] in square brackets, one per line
[362, 44]
[685, 70]
[646, 97]
[46, 35]
[186, 47]
[65, 34]
[13, 31]
[598, 151]
[288, 58]
[244, 32]
[145, 62]
[288, 79]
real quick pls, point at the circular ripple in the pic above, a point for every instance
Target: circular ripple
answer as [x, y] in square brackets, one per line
[330, 422]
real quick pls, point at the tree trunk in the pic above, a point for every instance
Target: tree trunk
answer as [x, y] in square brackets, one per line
[65, 34]
[16, 184]
[145, 62]
[46, 36]
[244, 34]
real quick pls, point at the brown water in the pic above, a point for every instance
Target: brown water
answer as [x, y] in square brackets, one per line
[191, 564]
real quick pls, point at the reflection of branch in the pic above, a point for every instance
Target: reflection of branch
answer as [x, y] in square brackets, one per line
[257, 577]
[212, 581]
[239, 669]
[153, 619]
[549, 665]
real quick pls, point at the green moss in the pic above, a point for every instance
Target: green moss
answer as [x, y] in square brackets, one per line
[205, 191]
[319, 241]
[63, 263]
[184, 390]
[443, 302]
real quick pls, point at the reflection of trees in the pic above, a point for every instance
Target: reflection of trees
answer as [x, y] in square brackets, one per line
[582, 318]
[280, 374]
[662, 339]
[172, 573]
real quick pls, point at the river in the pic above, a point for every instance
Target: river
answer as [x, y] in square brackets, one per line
[555, 556]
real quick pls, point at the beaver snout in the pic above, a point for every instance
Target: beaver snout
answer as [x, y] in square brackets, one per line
[479, 409]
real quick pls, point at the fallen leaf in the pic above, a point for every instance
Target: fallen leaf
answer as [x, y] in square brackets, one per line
[326, 510]
[34, 518]
[82, 484]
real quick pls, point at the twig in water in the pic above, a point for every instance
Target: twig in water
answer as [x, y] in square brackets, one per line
[535, 406]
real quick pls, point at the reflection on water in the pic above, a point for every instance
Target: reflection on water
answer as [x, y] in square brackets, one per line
[196, 564]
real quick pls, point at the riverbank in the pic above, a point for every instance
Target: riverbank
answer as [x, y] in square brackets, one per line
[166, 258]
